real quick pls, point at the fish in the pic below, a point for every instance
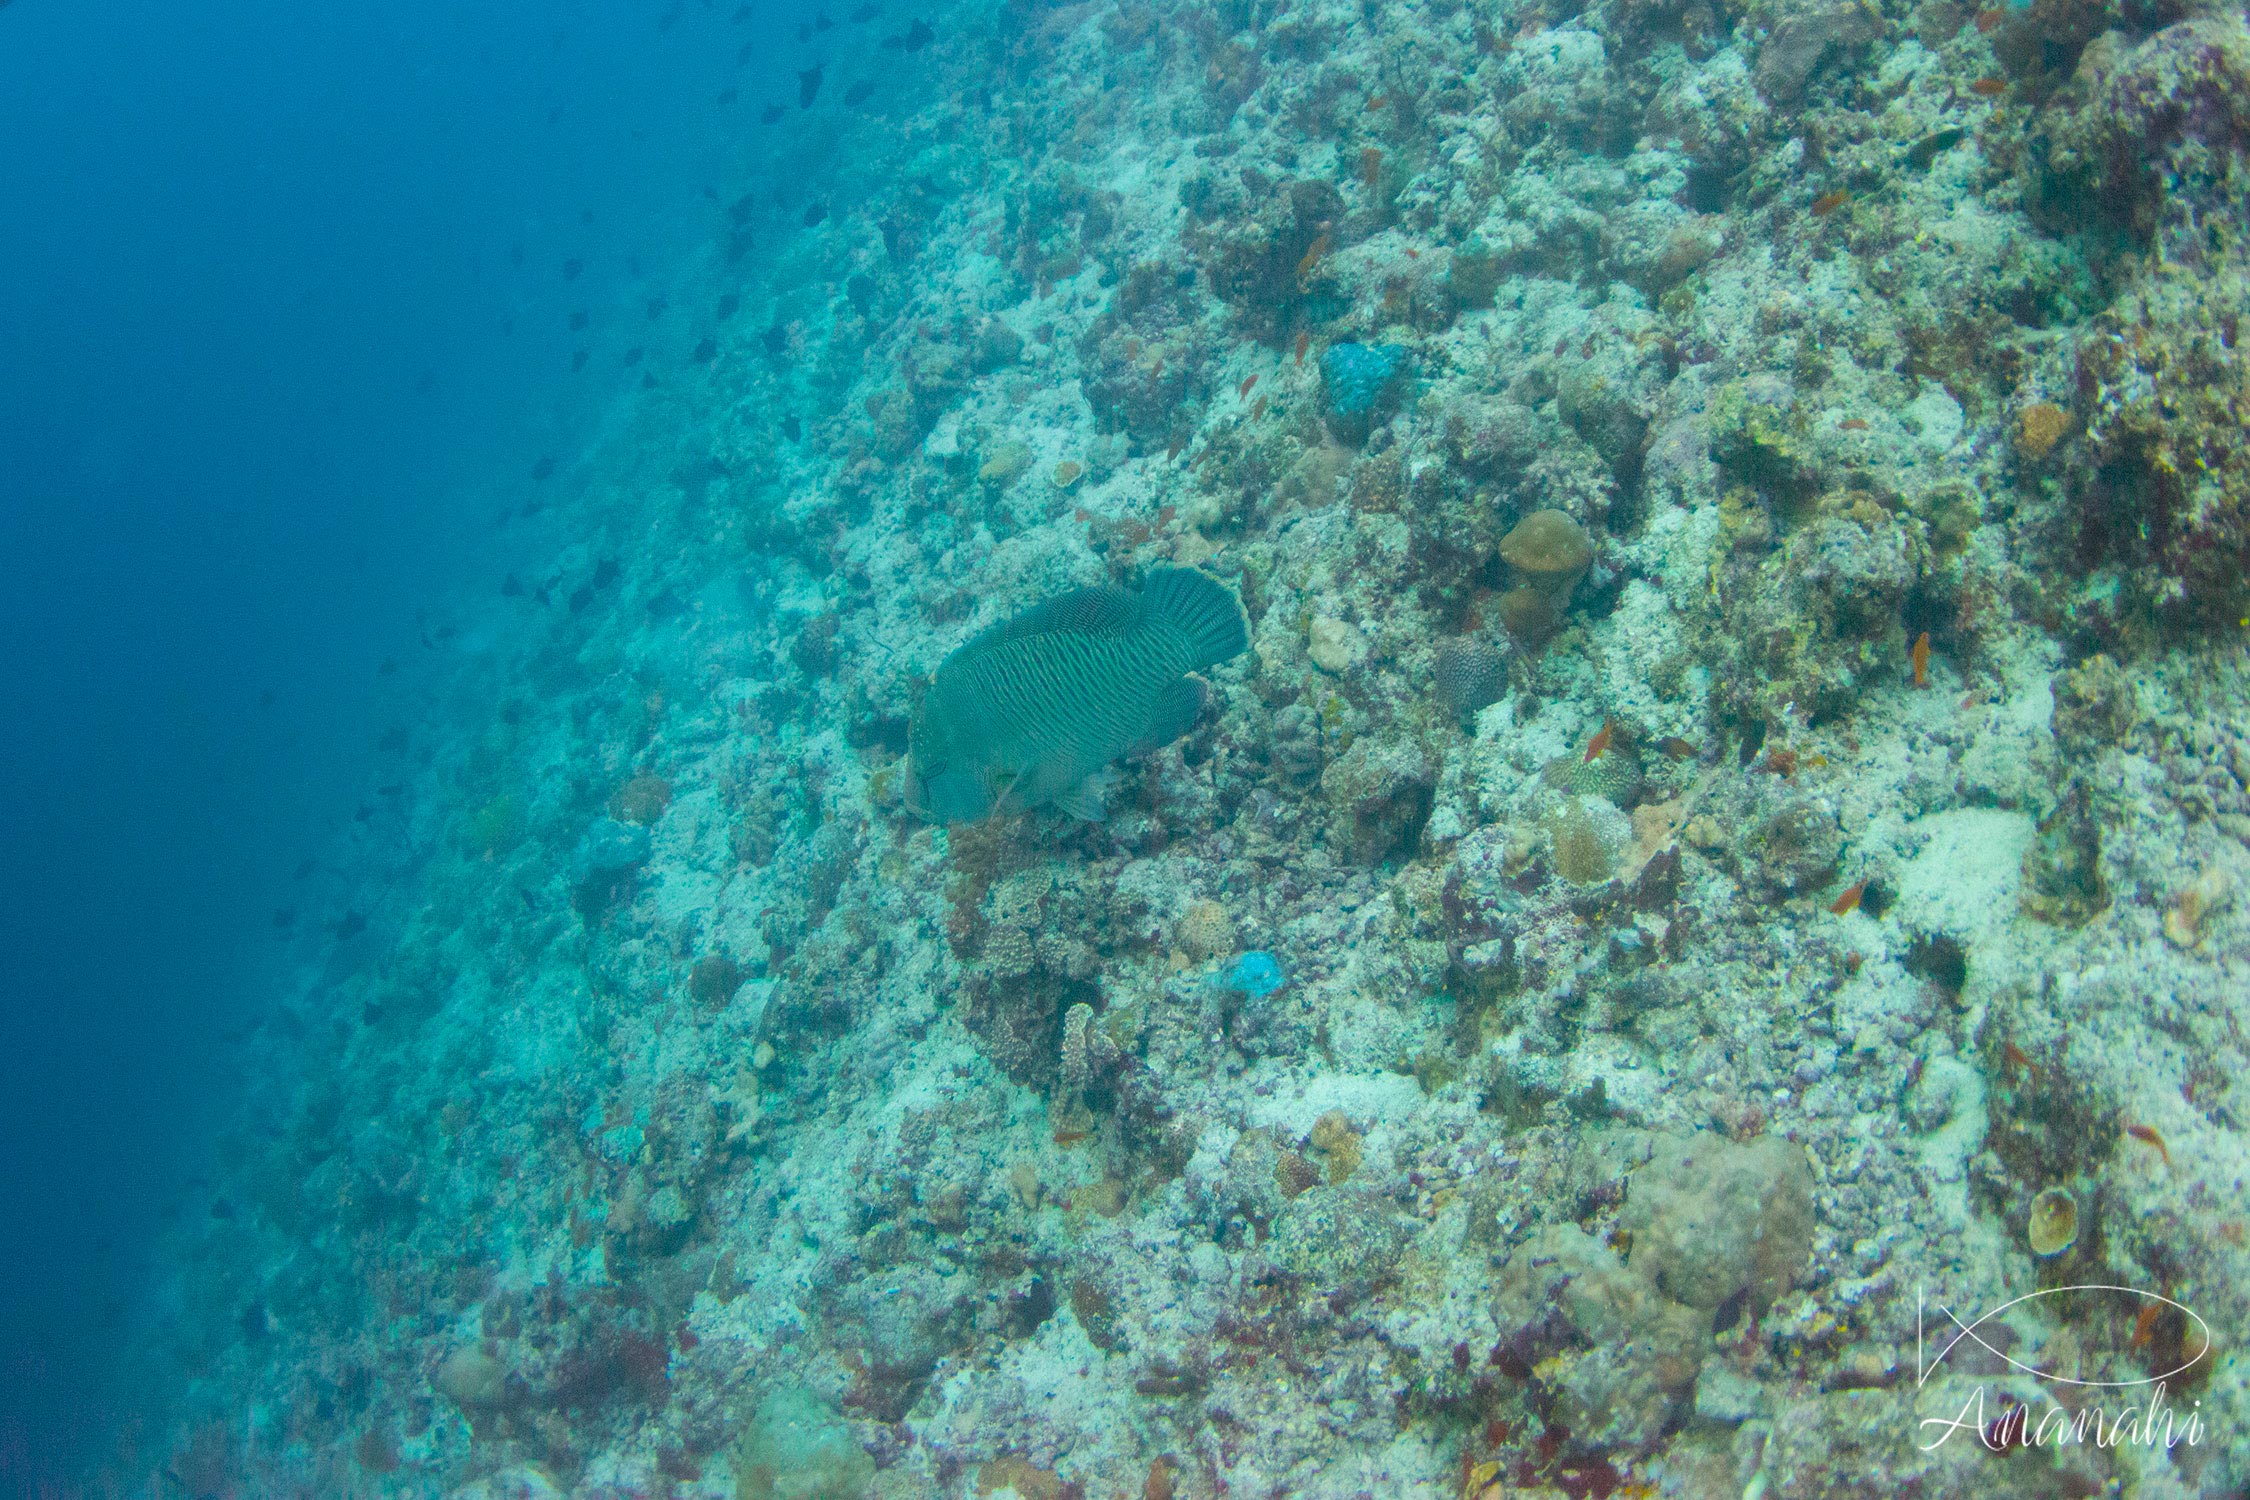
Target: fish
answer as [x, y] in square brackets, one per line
[656, 306]
[543, 468]
[728, 305]
[1599, 743]
[791, 428]
[1853, 424]
[578, 361]
[1678, 749]
[727, 96]
[1934, 145]
[704, 352]
[866, 13]
[821, 22]
[913, 39]
[350, 926]
[571, 268]
[633, 356]
[814, 213]
[1918, 656]
[1032, 711]
[1988, 88]
[1304, 342]
[858, 93]
[2147, 1136]
[1244, 388]
[808, 85]
[579, 320]
[1848, 902]
[305, 869]
[1828, 203]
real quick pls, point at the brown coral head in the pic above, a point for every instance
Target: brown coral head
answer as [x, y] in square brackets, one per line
[2039, 428]
[1528, 615]
[1549, 552]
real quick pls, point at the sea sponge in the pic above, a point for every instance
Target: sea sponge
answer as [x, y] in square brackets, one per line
[797, 1448]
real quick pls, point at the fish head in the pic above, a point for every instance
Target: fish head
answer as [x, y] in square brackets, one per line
[945, 792]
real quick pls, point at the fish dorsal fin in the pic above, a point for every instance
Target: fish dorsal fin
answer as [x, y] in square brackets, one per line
[1098, 609]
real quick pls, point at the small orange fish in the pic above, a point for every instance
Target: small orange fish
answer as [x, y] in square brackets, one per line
[2018, 1060]
[1132, 348]
[1987, 19]
[1412, 253]
[2144, 1325]
[1071, 1137]
[1828, 203]
[1174, 451]
[1378, 101]
[1318, 248]
[1304, 342]
[1371, 168]
[1989, 87]
[1848, 902]
[1919, 656]
[1244, 388]
[1853, 424]
[1677, 748]
[1157, 368]
[1257, 408]
[1598, 743]
[2147, 1136]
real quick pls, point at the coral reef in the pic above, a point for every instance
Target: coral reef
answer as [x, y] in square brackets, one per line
[1733, 812]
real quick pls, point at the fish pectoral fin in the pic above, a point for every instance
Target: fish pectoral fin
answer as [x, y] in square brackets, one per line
[1085, 800]
[1173, 714]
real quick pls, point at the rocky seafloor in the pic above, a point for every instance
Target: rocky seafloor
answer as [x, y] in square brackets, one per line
[1725, 843]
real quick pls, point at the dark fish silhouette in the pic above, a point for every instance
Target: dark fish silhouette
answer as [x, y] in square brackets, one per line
[808, 85]
[578, 320]
[804, 31]
[741, 15]
[821, 22]
[543, 468]
[727, 96]
[351, 926]
[285, 917]
[775, 338]
[867, 13]
[913, 39]
[728, 305]
[648, 381]
[571, 268]
[633, 356]
[742, 208]
[554, 116]
[511, 587]
[791, 428]
[858, 92]
[669, 19]
[772, 114]
[387, 668]
[425, 382]
[305, 868]
[656, 306]
[738, 246]
[814, 213]
[748, 51]
[578, 361]
[705, 352]
[267, 698]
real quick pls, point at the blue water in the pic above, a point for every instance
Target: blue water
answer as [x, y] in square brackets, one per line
[284, 329]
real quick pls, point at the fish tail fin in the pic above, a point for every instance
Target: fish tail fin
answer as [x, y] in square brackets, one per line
[1203, 609]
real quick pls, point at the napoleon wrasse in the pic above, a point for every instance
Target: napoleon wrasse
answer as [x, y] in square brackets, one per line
[1032, 711]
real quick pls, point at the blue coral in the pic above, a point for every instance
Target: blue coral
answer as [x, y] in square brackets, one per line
[1254, 974]
[1356, 381]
